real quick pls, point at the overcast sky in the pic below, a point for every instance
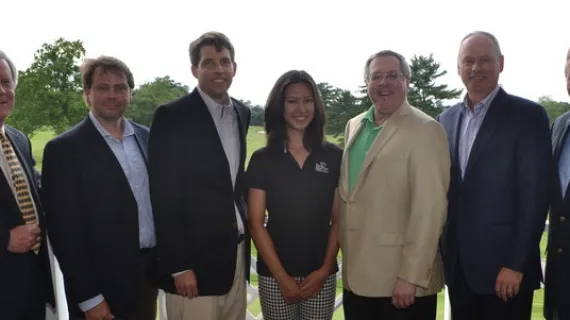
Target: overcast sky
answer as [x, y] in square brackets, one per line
[329, 39]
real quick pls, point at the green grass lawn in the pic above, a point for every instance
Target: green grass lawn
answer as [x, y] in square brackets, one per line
[256, 140]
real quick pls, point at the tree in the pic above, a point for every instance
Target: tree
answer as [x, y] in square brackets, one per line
[257, 113]
[424, 93]
[554, 109]
[257, 116]
[340, 106]
[364, 101]
[49, 92]
[152, 94]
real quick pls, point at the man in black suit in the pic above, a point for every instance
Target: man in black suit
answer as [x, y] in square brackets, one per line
[498, 197]
[25, 273]
[197, 148]
[557, 278]
[96, 194]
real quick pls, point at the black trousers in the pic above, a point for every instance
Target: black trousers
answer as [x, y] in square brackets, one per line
[147, 293]
[364, 308]
[468, 305]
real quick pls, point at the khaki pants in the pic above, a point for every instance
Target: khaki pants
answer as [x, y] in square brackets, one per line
[231, 306]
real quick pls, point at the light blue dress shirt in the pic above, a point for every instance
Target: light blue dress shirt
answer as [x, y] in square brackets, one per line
[133, 164]
[470, 125]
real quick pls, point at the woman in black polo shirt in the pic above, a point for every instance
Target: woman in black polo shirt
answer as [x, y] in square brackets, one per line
[295, 178]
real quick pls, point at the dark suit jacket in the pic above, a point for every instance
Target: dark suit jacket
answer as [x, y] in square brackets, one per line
[92, 216]
[192, 194]
[15, 268]
[557, 280]
[497, 211]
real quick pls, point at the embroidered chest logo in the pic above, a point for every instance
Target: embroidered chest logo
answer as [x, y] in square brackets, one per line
[322, 167]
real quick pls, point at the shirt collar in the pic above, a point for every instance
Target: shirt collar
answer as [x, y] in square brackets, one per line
[212, 105]
[127, 128]
[483, 105]
[369, 116]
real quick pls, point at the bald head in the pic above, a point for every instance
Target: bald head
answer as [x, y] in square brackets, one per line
[568, 56]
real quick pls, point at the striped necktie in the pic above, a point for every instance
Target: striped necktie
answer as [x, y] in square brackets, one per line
[23, 194]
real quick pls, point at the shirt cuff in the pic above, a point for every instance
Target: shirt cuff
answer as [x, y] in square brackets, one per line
[178, 273]
[91, 303]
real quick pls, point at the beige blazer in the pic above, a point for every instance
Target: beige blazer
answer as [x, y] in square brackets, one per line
[391, 222]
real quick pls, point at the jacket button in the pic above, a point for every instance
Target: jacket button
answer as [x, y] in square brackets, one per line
[559, 250]
[562, 219]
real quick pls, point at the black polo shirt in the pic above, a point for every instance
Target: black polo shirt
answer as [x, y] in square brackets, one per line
[299, 204]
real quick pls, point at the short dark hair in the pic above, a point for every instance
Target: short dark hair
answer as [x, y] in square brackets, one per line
[106, 63]
[275, 125]
[212, 38]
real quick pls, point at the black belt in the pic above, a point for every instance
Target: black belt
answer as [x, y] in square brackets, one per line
[241, 237]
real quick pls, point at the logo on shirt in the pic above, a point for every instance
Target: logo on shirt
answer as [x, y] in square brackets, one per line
[322, 167]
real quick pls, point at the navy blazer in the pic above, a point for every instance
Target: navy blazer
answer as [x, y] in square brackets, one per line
[192, 194]
[92, 218]
[14, 268]
[496, 213]
[557, 278]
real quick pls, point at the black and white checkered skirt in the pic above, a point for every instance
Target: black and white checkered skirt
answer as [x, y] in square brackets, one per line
[274, 307]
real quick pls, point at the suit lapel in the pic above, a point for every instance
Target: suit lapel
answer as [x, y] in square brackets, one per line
[18, 146]
[7, 196]
[209, 124]
[352, 134]
[455, 135]
[558, 143]
[492, 119]
[102, 153]
[559, 140]
[390, 128]
[241, 115]
[141, 138]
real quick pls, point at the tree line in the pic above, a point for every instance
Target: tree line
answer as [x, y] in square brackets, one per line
[49, 93]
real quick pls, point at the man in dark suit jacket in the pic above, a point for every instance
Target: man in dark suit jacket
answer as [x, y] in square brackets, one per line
[96, 194]
[498, 197]
[25, 273]
[557, 278]
[197, 149]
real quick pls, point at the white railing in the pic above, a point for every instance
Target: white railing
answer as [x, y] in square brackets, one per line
[252, 295]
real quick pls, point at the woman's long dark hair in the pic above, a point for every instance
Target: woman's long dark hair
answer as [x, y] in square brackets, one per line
[275, 125]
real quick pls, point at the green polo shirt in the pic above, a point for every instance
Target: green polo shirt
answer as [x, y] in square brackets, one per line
[359, 148]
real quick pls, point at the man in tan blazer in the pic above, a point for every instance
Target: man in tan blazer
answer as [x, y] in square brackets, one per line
[393, 190]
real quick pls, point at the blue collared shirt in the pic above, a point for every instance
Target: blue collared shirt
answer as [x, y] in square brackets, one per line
[470, 125]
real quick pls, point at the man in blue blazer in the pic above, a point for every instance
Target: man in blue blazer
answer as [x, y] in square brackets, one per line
[498, 196]
[25, 272]
[557, 278]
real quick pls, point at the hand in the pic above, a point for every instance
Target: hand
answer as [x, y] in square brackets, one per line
[23, 238]
[186, 284]
[404, 294]
[313, 283]
[289, 288]
[508, 284]
[99, 312]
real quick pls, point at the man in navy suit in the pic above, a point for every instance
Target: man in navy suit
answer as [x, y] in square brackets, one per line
[95, 189]
[498, 196]
[25, 273]
[557, 280]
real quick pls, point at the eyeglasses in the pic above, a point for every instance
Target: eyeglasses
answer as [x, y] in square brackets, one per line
[387, 77]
